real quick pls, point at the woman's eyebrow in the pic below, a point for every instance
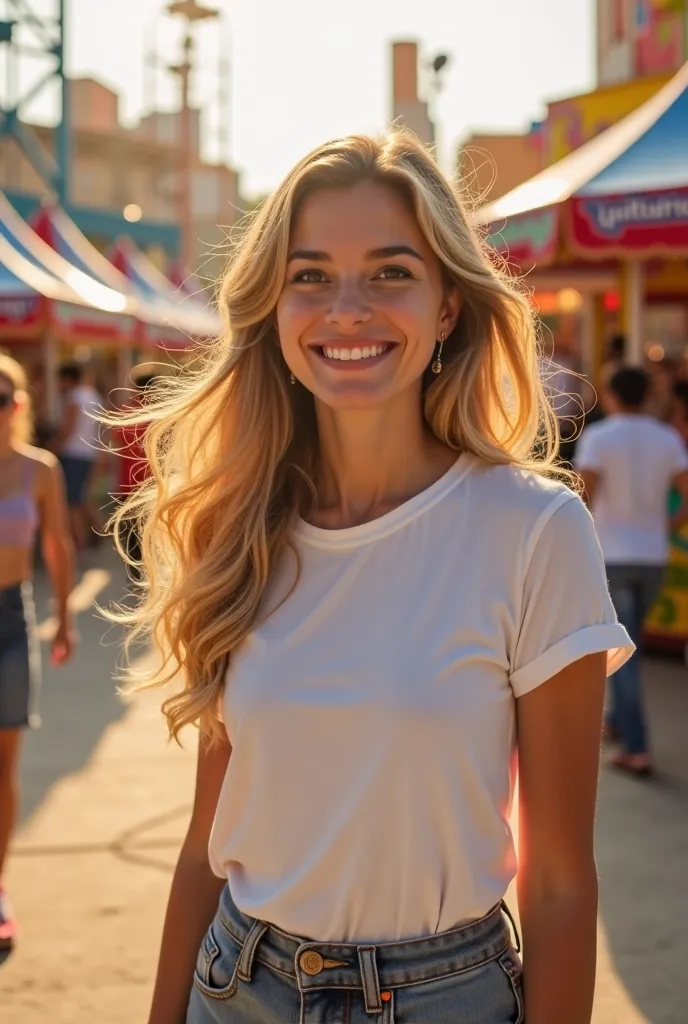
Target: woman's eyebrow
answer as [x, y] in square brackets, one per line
[386, 252]
[309, 254]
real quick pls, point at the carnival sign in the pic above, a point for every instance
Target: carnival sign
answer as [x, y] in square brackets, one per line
[22, 317]
[631, 224]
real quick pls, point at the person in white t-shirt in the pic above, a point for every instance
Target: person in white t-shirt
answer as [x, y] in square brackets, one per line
[629, 462]
[77, 444]
[375, 599]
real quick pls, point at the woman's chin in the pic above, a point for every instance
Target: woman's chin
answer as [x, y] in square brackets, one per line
[353, 394]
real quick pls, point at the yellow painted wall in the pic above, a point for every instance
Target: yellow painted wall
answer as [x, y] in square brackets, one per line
[576, 120]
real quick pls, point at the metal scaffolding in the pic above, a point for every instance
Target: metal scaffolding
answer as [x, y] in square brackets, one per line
[24, 33]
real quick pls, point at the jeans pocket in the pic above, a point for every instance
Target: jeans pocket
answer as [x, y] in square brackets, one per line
[217, 963]
[487, 993]
[511, 965]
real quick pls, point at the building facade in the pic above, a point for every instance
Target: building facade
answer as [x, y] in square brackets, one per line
[135, 169]
[491, 164]
[639, 38]
[639, 46]
[407, 106]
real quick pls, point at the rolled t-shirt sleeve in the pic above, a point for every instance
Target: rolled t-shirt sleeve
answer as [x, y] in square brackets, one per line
[566, 610]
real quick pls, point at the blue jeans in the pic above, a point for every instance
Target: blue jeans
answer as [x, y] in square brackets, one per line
[633, 590]
[249, 972]
[77, 473]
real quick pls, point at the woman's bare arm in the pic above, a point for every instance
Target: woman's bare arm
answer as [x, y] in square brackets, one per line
[559, 729]
[194, 895]
[58, 550]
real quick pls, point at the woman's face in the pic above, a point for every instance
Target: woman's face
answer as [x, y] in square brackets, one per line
[363, 302]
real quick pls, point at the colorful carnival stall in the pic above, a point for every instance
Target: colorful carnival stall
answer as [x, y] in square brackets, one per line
[165, 320]
[610, 220]
[609, 224]
[50, 309]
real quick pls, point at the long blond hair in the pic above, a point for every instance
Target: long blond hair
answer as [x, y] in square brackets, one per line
[22, 420]
[233, 449]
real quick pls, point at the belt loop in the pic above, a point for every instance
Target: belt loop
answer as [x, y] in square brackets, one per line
[513, 925]
[387, 1008]
[248, 950]
[371, 982]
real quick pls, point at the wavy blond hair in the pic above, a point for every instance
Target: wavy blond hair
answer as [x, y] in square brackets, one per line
[22, 420]
[233, 449]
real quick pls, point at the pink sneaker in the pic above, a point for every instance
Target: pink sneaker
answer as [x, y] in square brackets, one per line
[8, 926]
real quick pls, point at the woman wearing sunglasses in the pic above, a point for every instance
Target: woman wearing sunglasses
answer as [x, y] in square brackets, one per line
[32, 501]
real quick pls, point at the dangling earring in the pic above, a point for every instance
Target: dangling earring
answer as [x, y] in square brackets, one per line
[437, 365]
[292, 378]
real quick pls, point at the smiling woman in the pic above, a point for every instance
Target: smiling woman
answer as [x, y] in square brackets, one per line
[391, 302]
[374, 597]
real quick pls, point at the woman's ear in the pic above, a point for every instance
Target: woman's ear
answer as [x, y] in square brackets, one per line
[449, 313]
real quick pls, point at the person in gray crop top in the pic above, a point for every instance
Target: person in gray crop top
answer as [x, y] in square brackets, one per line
[32, 501]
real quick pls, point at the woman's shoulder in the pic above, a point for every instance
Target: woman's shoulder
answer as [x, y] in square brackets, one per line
[515, 492]
[39, 460]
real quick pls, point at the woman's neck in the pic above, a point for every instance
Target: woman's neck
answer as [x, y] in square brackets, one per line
[372, 461]
[7, 449]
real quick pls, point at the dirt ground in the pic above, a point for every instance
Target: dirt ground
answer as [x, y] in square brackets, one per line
[105, 804]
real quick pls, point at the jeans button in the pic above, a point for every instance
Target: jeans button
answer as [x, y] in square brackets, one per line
[311, 962]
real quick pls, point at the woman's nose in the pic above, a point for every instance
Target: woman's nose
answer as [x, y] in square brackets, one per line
[350, 306]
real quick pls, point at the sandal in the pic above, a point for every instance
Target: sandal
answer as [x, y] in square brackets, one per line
[632, 764]
[8, 925]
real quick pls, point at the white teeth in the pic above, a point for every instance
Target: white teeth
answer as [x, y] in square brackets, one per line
[365, 352]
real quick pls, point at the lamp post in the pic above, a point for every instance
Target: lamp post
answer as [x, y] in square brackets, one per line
[192, 12]
[436, 66]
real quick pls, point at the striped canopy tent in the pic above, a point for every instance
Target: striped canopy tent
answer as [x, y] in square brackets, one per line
[188, 320]
[622, 195]
[156, 321]
[54, 296]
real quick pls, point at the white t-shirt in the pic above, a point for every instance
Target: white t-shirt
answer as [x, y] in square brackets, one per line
[82, 443]
[636, 457]
[371, 715]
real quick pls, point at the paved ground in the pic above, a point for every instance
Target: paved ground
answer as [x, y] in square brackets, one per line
[105, 805]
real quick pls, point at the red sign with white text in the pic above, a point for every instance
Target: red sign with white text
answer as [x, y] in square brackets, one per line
[630, 225]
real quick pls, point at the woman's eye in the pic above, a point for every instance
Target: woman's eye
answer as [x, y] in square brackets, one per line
[394, 274]
[308, 277]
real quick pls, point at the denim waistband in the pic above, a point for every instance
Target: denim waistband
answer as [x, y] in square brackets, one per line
[16, 592]
[373, 968]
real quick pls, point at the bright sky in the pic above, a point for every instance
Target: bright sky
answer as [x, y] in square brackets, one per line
[304, 72]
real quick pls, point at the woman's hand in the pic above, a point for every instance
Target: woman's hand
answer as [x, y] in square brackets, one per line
[63, 644]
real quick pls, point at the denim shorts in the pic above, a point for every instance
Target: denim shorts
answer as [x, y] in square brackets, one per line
[20, 658]
[249, 972]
